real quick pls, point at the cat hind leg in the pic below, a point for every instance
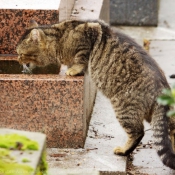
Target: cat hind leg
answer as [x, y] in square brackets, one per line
[172, 131]
[135, 133]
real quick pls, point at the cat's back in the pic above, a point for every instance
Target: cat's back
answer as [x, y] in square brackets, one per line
[120, 63]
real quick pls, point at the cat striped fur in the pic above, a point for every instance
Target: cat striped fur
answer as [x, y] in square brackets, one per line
[121, 69]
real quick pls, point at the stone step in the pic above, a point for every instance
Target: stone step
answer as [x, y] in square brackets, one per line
[58, 105]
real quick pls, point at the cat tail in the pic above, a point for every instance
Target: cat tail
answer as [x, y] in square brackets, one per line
[161, 134]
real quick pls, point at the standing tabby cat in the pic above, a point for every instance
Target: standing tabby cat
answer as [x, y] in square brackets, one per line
[120, 68]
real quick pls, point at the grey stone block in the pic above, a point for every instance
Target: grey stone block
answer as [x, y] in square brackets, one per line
[134, 12]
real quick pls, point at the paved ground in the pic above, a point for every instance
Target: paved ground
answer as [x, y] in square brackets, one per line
[105, 132]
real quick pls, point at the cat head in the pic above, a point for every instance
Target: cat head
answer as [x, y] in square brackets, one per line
[32, 47]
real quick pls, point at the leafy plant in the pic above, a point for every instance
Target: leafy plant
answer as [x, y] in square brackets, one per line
[168, 98]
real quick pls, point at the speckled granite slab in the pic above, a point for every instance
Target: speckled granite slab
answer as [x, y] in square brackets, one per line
[58, 105]
[55, 104]
[13, 23]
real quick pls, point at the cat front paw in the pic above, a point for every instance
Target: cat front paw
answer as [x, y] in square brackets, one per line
[71, 72]
[119, 151]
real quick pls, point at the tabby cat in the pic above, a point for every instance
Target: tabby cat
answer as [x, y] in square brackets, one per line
[121, 69]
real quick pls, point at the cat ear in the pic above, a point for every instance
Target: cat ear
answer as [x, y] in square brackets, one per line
[35, 35]
[32, 24]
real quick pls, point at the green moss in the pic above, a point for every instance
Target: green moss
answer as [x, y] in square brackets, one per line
[24, 160]
[43, 166]
[5, 155]
[8, 166]
[4, 152]
[15, 141]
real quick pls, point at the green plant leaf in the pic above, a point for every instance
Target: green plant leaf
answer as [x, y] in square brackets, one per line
[168, 98]
[173, 92]
[171, 113]
[165, 100]
[167, 92]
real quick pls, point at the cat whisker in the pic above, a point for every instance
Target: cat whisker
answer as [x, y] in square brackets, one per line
[26, 70]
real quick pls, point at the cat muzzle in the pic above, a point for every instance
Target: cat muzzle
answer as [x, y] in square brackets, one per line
[26, 69]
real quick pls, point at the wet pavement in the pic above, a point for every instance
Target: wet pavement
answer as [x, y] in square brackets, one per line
[104, 134]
